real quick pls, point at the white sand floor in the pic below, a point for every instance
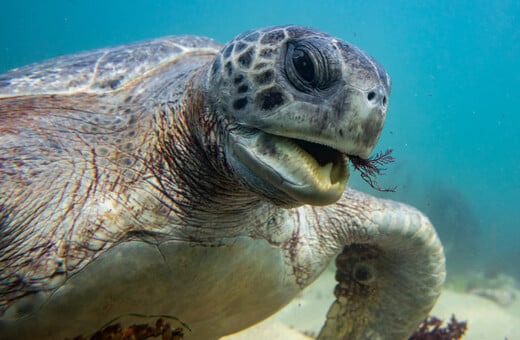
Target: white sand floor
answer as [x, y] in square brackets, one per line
[306, 314]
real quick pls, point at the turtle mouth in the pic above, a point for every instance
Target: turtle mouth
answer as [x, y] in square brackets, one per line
[309, 172]
[331, 164]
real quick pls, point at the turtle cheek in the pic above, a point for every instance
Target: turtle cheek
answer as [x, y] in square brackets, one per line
[270, 99]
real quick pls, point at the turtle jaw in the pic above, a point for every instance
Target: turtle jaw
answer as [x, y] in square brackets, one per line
[307, 172]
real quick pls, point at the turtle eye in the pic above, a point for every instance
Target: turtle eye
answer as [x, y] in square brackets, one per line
[303, 64]
[308, 66]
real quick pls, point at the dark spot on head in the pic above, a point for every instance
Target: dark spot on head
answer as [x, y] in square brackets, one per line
[239, 104]
[227, 51]
[238, 79]
[128, 99]
[131, 133]
[252, 37]
[267, 52]
[273, 37]
[260, 66]
[229, 68]
[240, 47]
[341, 132]
[129, 146]
[242, 89]
[127, 111]
[264, 77]
[246, 57]
[269, 99]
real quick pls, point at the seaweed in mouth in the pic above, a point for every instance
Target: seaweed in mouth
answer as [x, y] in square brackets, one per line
[372, 167]
[369, 168]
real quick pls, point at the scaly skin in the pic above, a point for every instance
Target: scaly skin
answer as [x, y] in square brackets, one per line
[153, 197]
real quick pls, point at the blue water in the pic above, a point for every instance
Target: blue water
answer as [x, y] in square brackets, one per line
[454, 116]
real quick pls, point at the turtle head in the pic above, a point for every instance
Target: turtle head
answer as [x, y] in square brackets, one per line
[299, 102]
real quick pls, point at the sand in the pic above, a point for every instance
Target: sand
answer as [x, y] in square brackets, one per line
[306, 314]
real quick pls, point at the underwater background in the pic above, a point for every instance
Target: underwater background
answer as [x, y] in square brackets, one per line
[454, 115]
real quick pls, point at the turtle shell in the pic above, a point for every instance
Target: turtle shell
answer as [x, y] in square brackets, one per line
[101, 70]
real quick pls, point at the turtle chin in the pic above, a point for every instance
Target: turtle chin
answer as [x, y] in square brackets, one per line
[303, 172]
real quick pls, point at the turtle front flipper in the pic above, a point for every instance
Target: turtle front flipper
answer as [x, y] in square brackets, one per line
[389, 272]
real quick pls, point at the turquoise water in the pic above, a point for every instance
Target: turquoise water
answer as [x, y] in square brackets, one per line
[454, 115]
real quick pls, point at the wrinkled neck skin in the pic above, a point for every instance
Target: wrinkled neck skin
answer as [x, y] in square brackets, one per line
[194, 176]
[204, 192]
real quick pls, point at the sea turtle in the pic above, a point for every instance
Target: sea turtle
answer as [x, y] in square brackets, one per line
[180, 177]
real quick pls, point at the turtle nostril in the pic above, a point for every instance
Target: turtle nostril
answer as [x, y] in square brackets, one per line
[377, 96]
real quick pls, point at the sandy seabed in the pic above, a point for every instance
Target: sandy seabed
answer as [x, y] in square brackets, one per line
[306, 314]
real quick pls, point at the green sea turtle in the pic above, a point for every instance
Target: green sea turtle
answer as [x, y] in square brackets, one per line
[180, 177]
